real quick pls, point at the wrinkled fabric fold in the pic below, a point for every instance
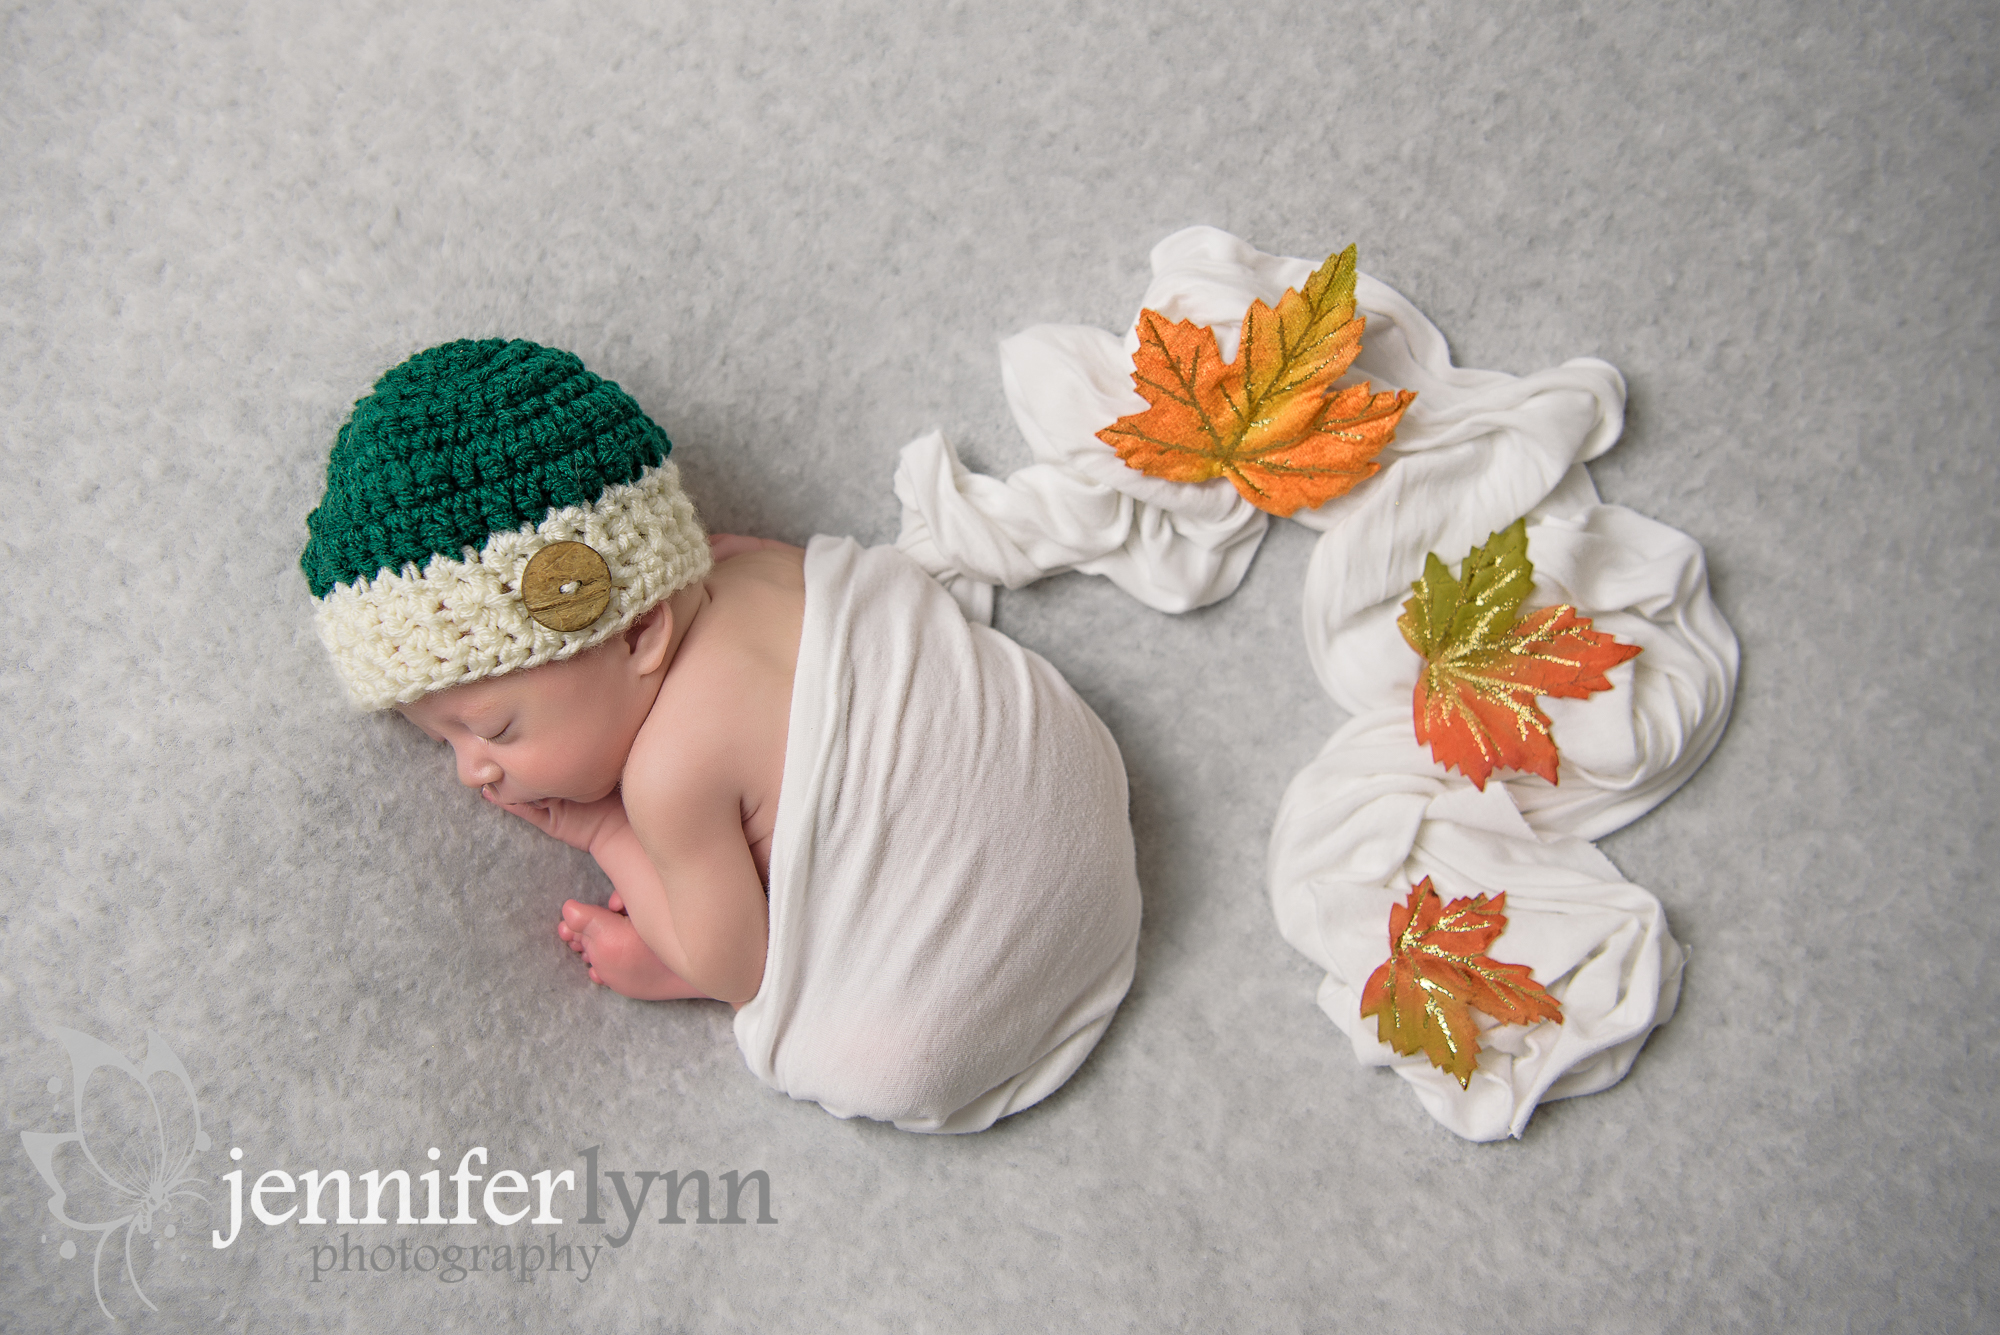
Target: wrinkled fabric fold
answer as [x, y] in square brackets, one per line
[1624, 750]
[1374, 814]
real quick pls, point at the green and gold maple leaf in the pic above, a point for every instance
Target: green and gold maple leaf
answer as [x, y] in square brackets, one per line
[1438, 973]
[1484, 663]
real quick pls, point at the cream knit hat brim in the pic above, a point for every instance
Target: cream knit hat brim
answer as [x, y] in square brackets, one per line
[401, 635]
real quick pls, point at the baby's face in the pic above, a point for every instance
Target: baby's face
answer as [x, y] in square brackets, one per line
[559, 730]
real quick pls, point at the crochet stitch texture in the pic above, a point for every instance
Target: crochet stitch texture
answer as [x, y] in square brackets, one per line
[459, 467]
[463, 441]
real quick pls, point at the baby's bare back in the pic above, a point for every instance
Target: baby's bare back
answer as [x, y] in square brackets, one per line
[701, 785]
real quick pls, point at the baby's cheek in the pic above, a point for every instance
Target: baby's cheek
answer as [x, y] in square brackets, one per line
[586, 765]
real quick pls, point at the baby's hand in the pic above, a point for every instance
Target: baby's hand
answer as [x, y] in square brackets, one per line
[578, 824]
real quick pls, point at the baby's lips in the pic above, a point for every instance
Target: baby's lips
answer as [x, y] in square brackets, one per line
[537, 804]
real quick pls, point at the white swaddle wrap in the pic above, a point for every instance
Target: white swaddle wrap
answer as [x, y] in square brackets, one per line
[1374, 813]
[954, 905]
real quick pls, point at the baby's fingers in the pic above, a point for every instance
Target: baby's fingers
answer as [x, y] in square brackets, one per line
[535, 813]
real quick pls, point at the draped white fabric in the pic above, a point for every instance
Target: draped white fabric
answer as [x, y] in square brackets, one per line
[1374, 814]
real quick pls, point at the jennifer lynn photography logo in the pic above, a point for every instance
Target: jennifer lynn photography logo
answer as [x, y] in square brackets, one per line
[126, 1169]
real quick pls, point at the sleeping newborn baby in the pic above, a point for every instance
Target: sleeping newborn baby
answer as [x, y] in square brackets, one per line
[897, 843]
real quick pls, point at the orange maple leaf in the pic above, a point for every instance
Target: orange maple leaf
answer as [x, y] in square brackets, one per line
[1271, 421]
[1437, 973]
[1484, 666]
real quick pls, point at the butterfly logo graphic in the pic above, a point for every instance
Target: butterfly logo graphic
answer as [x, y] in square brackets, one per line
[134, 1140]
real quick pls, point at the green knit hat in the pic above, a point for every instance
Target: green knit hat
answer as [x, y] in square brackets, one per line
[491, 506]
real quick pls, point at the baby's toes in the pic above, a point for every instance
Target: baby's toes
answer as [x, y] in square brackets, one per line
[574, 927]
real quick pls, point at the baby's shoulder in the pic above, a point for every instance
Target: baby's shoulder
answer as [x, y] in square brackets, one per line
[757, 564]
[716, 732]
[681, 765]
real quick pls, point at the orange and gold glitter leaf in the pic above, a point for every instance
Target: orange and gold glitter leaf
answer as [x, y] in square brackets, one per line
[1438, 973]
[1271, 421]
[1484, 664]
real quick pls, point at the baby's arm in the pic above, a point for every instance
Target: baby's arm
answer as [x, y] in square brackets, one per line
[710, 930]
[619, 954]
[705, 894]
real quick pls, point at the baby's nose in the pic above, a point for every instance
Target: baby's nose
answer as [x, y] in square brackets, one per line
[476, 770]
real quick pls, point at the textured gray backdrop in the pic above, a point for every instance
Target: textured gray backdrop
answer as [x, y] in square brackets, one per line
[794, 231]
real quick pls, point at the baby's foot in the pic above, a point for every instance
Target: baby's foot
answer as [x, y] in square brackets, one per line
[618, 959]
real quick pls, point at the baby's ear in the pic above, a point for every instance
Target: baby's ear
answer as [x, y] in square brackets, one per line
[649, 636]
